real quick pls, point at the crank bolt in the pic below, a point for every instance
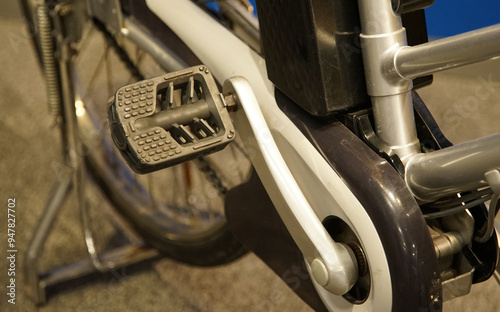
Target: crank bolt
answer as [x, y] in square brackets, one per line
[230, 103]
[320, 272]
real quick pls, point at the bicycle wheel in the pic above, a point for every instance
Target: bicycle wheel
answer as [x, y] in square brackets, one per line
[179, 210]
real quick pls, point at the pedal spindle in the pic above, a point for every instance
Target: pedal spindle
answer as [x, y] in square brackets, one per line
[163, 121]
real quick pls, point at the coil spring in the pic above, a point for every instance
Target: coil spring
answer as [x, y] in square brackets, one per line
[49, 61]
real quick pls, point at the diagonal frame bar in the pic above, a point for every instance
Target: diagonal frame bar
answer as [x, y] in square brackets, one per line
[443, 54]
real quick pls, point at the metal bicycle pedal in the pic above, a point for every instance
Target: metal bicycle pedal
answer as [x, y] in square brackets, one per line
[163, 121]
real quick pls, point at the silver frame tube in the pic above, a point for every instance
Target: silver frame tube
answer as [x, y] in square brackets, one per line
[382, 33]
[452, 170]
[166, 58]
[468, 48]
[395, 123]
[389, 67]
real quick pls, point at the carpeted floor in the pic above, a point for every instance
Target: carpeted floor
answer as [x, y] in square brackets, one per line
[29, 162]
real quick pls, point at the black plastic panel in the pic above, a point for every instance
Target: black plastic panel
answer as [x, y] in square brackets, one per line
[312, 52]
[415, 273]
[406, 6]
[416, 32]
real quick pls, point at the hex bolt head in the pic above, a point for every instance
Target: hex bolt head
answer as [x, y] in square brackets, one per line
[230, 103]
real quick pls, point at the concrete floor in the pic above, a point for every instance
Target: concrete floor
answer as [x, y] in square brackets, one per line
[29, 161]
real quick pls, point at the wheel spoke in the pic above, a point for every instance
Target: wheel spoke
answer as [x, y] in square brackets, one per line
[92, 82]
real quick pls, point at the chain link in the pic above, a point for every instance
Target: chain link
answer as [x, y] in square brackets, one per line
[120, 51]
[205, 167]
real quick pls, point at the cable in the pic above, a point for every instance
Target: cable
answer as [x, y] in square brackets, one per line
[459, 200]
[492, 212]
[451, 211]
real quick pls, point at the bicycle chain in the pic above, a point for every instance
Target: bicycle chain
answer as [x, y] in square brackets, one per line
[120, 51]
[203, 164]
[211, 174]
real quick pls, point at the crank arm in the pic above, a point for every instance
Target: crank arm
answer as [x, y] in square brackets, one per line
[333, 265]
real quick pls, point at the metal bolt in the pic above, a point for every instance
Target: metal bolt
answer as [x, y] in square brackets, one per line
[63, 9]
[231, 134]
[230, 103]
[320, 272]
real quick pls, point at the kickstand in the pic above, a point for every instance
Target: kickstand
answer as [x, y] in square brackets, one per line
[74, 175]
[38, 282]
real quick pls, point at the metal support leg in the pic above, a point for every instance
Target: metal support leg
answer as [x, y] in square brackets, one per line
[37, 282]
[74, 174]
[59, 193]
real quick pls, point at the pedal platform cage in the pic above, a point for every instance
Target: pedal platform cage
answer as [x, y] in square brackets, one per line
[164, 121]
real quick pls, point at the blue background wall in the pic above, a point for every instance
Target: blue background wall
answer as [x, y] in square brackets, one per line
[451, 17]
